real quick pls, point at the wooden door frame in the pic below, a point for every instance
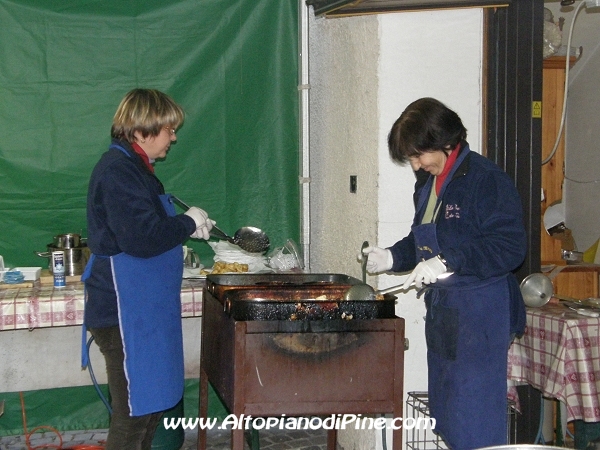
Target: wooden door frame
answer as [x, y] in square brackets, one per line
[513, 41]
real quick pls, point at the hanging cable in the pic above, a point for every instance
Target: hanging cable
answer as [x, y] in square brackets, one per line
[93, 377]
[564, 108]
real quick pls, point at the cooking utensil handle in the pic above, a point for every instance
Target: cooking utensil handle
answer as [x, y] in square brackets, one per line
[400, 286]
[218, 233]
[585, 312]
[215, 231]
[393, 289]
[365, 258]
[564, 298]
[180, 202]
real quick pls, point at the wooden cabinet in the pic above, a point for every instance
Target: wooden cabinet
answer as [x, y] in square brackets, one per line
[578, 281]
[553, 89]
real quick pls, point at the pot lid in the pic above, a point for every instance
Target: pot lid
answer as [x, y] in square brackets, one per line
[536, 290]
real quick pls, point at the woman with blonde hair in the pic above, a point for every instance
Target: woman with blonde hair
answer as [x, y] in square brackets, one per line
[133, 279]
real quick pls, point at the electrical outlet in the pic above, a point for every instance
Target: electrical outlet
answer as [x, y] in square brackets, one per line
[353, 182]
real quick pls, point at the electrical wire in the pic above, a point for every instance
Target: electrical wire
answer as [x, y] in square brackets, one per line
[564, 108]
[582, 181]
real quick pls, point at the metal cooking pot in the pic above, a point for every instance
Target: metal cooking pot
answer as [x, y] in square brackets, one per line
[68, 240]
[522, 447]
[75, 258]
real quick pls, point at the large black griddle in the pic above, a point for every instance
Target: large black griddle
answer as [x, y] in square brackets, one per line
[295, 297]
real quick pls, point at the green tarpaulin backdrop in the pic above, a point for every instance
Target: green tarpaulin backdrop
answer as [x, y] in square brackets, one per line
[66, 64]
[80, 408]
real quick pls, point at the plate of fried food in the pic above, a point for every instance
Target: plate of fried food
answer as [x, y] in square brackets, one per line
[226, 267]
[229, 258]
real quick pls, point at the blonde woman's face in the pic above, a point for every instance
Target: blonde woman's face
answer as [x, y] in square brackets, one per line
[156, 147]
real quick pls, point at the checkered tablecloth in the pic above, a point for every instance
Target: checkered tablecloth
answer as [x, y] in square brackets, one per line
[559, 354]
[46, 306]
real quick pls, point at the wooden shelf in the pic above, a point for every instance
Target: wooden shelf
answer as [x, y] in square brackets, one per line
[559, 62]
[575, 280]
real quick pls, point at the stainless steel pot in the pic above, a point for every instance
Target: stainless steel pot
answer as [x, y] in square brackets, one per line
[68, 240]
[75, 258]
[523, 447]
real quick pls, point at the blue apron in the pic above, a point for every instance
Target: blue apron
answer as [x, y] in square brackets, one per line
[467, 334]
[149, 307]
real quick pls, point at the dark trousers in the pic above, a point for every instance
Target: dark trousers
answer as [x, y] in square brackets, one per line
[125, 432]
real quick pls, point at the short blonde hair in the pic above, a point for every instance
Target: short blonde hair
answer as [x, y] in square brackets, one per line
[146, 111]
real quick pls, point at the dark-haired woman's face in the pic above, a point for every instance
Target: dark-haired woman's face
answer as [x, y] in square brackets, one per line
[432, 162]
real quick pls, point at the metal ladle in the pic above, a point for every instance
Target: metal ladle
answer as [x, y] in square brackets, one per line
[366, 292]
[251, 239]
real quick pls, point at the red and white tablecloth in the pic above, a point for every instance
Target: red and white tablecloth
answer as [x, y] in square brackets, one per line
[559, 354]
[46, 306]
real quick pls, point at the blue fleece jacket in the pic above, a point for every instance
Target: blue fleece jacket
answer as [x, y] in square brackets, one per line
[480, 229]
[124, 214]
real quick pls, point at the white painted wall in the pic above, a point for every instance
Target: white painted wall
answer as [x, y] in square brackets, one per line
[48, 358]
[363, 72]
[582, 130]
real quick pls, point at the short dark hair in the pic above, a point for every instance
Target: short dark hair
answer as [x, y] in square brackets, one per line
[426, 125]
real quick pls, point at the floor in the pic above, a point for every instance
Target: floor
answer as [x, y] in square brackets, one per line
[217, 440]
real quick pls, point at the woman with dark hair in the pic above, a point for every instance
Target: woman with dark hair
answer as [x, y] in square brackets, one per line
[133, 279]
[466, 239]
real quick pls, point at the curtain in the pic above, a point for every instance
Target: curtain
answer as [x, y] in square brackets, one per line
[64, 67]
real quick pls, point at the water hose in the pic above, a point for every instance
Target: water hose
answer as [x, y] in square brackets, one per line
[93, 377]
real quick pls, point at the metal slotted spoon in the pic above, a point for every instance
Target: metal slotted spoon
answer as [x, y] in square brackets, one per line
[250, 239]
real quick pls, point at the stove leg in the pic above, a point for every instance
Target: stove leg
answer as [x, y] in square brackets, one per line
[331, 439]
[203, 408]
[397, 439]
[237, 439]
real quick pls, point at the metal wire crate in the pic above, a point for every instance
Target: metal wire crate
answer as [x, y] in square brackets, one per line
[422, 437]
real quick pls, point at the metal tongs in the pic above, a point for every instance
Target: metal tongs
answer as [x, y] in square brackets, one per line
[366, 292]
[251, 239]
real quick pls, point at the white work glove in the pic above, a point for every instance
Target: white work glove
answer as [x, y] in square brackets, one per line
[426, 272]
[203, 223]
[380, 259]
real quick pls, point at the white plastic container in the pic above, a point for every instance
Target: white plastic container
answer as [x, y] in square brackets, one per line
[30, 273]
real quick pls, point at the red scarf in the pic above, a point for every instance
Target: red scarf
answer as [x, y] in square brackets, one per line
[439, 180]
[140, 151]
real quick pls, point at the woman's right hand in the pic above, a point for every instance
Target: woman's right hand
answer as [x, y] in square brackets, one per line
[380, 259]
[203, 223]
